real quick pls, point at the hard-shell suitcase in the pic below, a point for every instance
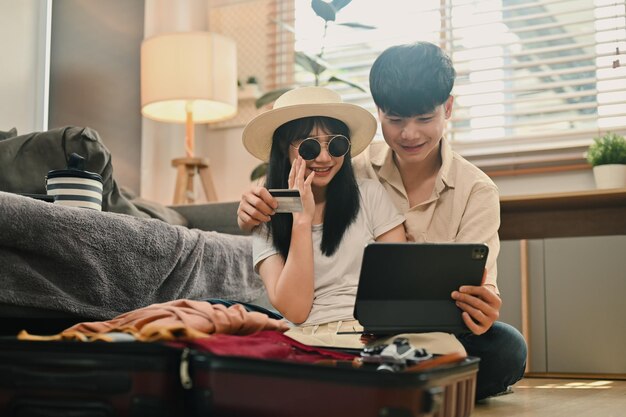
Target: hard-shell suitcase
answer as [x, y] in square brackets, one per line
[155, 379]
[229, 386]
[90, 379]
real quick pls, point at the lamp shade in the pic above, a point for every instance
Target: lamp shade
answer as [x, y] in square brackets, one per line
[189, 72]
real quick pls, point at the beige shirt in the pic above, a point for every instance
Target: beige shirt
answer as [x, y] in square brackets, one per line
[464, 205]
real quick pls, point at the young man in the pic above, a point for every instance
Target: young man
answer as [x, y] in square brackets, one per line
[444, 197]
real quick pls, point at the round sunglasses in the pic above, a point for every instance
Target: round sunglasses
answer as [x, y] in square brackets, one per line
[310, 148]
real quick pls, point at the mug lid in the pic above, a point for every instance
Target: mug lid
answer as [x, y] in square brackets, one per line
[75, 168]
[58, 173]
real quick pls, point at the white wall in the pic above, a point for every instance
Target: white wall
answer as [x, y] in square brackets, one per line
[230, 162]
[23, 71]
[94, 76]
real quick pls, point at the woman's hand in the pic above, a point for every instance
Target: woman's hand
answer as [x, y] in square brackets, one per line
[298, 182]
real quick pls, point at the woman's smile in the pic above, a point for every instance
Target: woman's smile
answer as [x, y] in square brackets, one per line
[321, 171]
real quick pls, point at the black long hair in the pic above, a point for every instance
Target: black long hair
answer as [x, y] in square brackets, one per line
[342, 193]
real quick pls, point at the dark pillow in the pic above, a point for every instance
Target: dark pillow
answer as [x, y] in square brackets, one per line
[26, 159]
[10, 134]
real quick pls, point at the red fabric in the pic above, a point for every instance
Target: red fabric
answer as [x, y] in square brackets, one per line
[263, 345]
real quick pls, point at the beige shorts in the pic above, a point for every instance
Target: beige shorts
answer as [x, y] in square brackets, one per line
[330, 335]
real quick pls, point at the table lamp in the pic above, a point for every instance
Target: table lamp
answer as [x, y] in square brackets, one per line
[189, 77]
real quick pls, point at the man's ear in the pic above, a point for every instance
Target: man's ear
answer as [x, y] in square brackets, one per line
[448, 106]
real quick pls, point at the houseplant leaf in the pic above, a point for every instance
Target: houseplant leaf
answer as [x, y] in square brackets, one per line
[357, 25]
[324, 10]
[607, 149]
[312, 64]
[259, 171]
[335, 79]
[340, 4]
[270, 96]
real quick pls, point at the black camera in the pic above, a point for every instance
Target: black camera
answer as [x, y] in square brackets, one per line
[395, 356]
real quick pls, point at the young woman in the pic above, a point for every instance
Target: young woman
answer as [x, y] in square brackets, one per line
[310, 260]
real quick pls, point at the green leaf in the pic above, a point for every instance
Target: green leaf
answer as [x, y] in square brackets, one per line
[324, 10]
[340, 4]
[259, 171]
[310, 63]
[607, 149]
[335, 79]
[270, 96]
[355, 25]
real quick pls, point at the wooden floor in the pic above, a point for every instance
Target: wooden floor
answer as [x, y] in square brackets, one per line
[542, 397]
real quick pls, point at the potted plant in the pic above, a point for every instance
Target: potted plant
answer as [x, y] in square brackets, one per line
[607, 156]
[249, 90]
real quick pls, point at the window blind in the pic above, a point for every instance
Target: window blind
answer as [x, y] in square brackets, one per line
[536, 79]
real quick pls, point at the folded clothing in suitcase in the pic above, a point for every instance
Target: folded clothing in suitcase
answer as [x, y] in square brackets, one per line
[155, 379]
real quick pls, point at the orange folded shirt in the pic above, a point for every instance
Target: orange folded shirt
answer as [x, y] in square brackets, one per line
[178, 319]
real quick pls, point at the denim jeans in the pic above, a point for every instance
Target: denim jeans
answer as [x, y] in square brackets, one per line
[249, 307]
[502, 352]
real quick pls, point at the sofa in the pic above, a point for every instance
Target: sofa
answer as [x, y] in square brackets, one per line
[207, 257]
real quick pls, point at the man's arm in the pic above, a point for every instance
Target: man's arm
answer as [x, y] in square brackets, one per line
[255, 207]
[397, 234]
[480, 223]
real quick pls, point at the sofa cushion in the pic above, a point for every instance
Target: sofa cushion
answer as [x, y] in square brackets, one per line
[26, 159]
[8, 134]
[219, 217]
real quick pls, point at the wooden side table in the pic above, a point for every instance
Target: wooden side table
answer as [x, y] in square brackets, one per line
[549, 218]
[580, 213]
[186, 170]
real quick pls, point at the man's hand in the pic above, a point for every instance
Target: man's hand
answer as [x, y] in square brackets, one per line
[480, 305]
[255, 207]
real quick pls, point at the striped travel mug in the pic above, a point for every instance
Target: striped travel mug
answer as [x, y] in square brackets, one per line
[74, 186]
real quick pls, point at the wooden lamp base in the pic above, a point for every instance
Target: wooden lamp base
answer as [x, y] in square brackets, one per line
[187, 169]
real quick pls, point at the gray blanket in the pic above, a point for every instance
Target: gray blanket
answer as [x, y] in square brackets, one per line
[98, 264]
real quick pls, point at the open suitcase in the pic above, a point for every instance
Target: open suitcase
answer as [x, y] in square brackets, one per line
[155, 379]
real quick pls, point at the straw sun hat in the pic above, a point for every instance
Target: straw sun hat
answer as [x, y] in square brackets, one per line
[306, 102]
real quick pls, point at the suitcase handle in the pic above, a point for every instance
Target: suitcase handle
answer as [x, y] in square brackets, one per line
[107, 382]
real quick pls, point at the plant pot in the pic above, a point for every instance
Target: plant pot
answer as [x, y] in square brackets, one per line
[249, 92]
[610, 176]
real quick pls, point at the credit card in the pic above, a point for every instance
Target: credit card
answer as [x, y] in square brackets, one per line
[288, 200]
